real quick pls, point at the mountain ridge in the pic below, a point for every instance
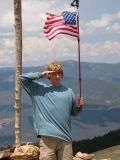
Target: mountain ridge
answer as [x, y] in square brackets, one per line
[101, 81]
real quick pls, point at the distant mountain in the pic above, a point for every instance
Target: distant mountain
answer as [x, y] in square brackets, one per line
[101, 90]
[100, 81]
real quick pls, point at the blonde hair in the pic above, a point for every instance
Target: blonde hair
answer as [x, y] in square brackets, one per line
[55, 66]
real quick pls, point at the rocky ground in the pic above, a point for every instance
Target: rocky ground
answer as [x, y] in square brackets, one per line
[31, 152]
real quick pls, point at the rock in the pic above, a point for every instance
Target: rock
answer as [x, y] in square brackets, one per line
[5, 154]
[83, 156]
[25, 152]
[106, 159]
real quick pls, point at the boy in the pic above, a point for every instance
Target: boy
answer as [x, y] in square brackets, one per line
[53, 105]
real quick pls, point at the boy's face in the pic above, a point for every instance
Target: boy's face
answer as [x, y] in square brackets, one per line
[56, 78]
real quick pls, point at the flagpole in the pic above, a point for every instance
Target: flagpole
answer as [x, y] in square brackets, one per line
[75, 3]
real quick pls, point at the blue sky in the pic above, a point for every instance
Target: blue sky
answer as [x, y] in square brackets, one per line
[99, 32]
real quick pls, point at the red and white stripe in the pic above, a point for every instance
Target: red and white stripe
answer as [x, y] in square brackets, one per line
[55, 25]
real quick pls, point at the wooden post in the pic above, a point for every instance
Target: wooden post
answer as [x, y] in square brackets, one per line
[18, 43]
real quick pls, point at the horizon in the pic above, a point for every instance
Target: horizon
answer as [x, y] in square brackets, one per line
[107, 63]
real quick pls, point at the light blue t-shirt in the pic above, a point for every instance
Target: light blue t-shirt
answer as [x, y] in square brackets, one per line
[53, 106]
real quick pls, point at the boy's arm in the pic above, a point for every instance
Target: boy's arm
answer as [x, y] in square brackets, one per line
[27, 80]
[76, 105]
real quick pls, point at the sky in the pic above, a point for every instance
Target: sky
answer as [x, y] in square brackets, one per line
[99, 32]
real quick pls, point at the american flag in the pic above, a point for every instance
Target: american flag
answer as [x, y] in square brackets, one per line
[64, 23]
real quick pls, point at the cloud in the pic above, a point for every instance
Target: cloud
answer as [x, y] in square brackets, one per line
[101, 52]
[7, 34]
[106, 22]
[31, 14]
[7, 52]
[113, 28]
[7, 43]
[34, 13]
[40, 51]
[7, 19]
[6, 16]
